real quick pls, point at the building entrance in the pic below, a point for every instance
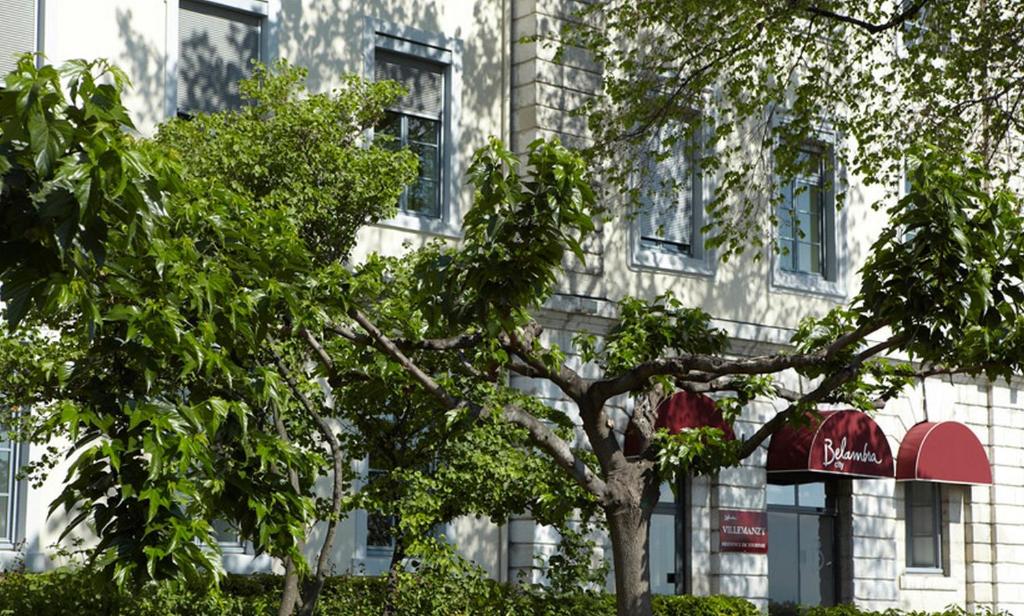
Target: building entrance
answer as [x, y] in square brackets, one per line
[802, 543]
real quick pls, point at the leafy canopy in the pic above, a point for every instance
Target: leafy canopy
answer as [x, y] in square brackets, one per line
[745, 84]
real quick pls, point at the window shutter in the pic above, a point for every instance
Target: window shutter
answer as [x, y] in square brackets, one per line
[423, 81]
[216, 47]
[667, 194]
[17, 31]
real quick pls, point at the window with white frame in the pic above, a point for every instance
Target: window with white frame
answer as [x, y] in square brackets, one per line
[924, 525]
[380, 536]
[216, 48]
[227, 536]
[8, 490]
[416, 121]
[806, 216]
[670, 196]
[667, 228]
[17, 31]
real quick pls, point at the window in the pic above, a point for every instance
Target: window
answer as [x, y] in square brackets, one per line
[666, 221]
[8, 490]
[924, 525]
[802, 217]
[670, 546]
[17, 31]
[426, 120]
[227, 536]
[379, 527]
[802, 544]
[416, 122]
[667, 227]
[216, 47]
[809, 228]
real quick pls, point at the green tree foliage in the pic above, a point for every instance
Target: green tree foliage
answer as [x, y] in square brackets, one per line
[146, 299]
[162, 297]
[746, 83]
[290, 150]
[205, 326]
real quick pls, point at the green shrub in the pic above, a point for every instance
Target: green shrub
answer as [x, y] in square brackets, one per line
[423, 593]
[703, 606]
[789, 609]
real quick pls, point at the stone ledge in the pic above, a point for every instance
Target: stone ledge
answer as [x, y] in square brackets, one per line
[929, 581]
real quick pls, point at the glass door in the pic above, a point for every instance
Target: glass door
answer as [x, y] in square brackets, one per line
[801, 544]
[662, 556]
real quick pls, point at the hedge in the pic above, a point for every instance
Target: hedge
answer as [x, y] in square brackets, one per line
[71, 591]
[76, 592]
[850, 610]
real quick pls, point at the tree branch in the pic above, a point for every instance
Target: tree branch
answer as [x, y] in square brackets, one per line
[338, 461]
[908, 13]
[462, 341]
[540, 433]
[712, 366]
[819, 393]
[567, 379]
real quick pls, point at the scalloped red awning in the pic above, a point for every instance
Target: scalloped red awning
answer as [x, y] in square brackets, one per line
[682, 410]
[847, 443]
[945, 451]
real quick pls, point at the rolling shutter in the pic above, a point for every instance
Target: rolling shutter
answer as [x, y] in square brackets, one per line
[424, 82]
[17, 31]
[216, 47]
[667, 194]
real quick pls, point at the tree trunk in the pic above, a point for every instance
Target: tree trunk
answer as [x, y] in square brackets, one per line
[629, 526]
[290, 595]
[391, 595]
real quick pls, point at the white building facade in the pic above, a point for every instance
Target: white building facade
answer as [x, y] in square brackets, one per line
[919, 542]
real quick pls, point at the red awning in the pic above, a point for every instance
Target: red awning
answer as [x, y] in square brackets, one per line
[945, 451]
[681, 410]
[846, 443]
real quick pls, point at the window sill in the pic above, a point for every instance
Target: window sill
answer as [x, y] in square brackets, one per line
[232, 548]
[807, 283]
[651, 259]
[927, 579]
[421, 224]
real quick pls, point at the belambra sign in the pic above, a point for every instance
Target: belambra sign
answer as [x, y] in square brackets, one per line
[838, 457]
[743, 531]
[846, 443]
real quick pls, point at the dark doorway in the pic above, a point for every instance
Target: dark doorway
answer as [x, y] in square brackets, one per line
[802, 543]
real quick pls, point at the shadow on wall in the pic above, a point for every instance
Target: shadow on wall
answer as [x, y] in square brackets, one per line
[145, 63]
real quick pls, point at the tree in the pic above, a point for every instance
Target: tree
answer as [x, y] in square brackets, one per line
[942, 284]
[160, 297]
[150, 306]
[936, 288]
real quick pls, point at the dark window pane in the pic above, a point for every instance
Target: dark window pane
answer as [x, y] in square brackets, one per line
[224, 532]
[5, 515]
[427, 154]
[423, 198]
[424, 131]
[663, 553]
[378, 530]
[817, 560]
[924, 535]
[391, 125]
[812, 494]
